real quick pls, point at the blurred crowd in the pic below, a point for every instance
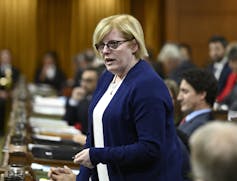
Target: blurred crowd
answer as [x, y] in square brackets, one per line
[197, 92]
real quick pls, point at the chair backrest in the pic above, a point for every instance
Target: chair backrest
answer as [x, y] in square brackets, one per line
[220, 115]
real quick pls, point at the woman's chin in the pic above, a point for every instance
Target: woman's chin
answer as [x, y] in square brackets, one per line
[111, 68]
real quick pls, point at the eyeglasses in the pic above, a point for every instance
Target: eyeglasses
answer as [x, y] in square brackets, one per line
[87, 80]
[112, 44]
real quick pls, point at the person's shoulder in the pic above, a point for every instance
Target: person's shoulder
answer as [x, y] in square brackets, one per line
[146, 76]
[209, 66]
[227, 67]
[146, 80]
[105, 77]
[144, 71]
[203, 118]
[15, 70]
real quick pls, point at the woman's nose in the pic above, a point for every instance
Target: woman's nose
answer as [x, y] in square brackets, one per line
[106, 49]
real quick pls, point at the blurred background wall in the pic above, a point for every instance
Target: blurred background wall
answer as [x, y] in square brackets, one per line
[31, 27]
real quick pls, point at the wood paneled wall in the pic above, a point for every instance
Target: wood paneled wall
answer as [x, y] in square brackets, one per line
[31, 27]
[18, 32]
[86, 15]
[54, 30]
[67, 26]
[194, 22]
[151, 14]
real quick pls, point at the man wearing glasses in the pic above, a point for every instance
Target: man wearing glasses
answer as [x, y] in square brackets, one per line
[77, 106]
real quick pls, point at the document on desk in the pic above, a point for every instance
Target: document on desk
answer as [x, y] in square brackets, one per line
[51, 126]
[49, 105]
[48, 138]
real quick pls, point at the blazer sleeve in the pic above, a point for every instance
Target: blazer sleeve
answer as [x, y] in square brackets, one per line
[149, 116]
[85, 173]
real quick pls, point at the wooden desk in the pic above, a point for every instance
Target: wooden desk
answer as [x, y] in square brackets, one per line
[56, 163]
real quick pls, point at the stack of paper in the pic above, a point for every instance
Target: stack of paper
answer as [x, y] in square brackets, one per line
[54, 126]
[49, 105]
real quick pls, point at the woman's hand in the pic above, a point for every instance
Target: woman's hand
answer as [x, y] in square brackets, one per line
[61, 174]
[83, 158]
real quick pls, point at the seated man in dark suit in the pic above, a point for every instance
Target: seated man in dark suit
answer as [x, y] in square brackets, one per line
[77, 106]
[8, 77]
[82, 61]
[198, 89]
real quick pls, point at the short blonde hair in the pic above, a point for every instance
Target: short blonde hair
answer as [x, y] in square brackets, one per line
[127, 25]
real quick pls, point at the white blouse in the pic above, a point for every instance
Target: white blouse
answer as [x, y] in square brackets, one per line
[98, 124]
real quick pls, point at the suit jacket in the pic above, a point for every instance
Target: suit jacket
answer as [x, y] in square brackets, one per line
[189, 127]
[139, 135]
[78, 114]
[223, 77]
[57, 81]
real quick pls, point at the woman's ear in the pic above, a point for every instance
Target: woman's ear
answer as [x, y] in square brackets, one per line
[134, 46]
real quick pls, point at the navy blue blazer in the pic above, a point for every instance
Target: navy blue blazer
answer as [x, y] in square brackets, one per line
[139, 134]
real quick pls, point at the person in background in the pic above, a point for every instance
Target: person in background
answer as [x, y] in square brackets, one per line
[49, 72]
[131, 134]
[197, 94]
[82, 61]
[185, 52]
[170, 58]
[219, 63]
[185, 63]
[157, 65]
[213, 152]
[174, 90]
[7, 69]
[8, 77]
[78, 104]
[229, 94]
